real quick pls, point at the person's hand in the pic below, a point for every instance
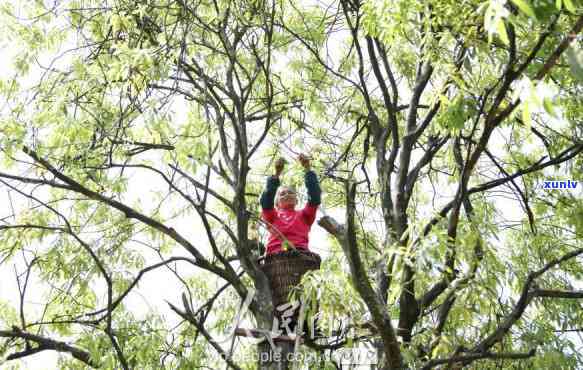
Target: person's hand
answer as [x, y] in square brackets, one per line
[304, 160]
[279, 164]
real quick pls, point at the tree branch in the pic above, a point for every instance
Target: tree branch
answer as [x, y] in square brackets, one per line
[46, 344]
[467, 359]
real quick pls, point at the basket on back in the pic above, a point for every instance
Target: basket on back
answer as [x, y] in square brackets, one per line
[285, 270]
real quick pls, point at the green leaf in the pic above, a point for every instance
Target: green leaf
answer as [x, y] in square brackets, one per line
[525, 7]
[501, 28]
[526, 115]
[467, 65]
[394, 293]
[559, 4]
[570, 6]
[488, 17]
[548, 104]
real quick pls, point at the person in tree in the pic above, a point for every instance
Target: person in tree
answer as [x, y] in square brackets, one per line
[294, 225]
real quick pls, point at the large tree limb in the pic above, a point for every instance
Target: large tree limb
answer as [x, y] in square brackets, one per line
[346, 236]
[549, 293]
[423, 74]
[46, 344]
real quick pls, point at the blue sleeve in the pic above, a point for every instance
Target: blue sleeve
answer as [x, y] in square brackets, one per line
[268, 195]
[313, 186]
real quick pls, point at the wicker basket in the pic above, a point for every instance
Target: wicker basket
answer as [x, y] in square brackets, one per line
[285, 270]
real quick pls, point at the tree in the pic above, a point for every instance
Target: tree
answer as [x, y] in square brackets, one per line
[125, 119]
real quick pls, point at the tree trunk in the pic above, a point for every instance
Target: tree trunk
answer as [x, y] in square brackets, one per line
[276, 356]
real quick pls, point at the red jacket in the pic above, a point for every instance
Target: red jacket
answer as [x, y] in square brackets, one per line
[293, 224]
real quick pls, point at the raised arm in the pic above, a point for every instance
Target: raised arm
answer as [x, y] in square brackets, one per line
[314, 191]
[313, 186]
[268, 196]
[311, 182]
